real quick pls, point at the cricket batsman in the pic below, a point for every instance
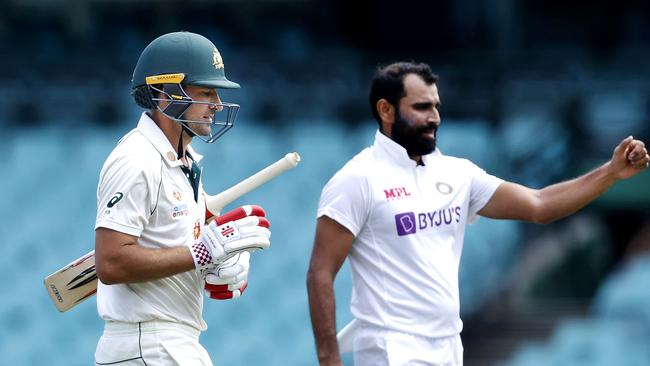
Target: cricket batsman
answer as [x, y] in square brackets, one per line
[155, 253]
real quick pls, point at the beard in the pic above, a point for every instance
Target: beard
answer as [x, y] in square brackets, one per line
[412, 138]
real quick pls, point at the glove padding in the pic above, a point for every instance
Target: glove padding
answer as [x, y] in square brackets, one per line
[243, 229]
[229, 279]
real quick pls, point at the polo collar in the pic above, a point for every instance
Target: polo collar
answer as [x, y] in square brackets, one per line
[157, 138]
[391, 150]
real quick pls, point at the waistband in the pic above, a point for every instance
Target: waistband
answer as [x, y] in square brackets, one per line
[386, 331]
[150, 326]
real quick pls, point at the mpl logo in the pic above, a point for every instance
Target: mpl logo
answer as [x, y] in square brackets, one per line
[405, 223]
[396, 193]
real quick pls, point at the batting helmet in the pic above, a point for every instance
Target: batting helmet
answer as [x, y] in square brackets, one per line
[176, 59]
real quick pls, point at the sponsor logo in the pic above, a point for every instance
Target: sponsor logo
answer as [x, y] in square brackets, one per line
[405, 223]
[115, 199]
[180, 211]
[396, 193]
[86, 276]
[409, 222]
[165, 78]
[56, 293]
[227, 231]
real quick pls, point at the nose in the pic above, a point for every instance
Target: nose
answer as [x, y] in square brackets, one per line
[434, 118]
[216, 103]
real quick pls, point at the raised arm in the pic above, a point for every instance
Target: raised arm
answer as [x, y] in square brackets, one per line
[331, 246]
[514, 201]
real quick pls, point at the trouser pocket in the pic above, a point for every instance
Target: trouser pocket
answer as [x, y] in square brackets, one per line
[119, 350]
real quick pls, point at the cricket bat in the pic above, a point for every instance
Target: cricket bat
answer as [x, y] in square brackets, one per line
[77, 281]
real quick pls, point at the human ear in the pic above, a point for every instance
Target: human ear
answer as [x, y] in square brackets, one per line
[386, 111]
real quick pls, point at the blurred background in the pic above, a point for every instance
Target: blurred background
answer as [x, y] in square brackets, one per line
[533, 91]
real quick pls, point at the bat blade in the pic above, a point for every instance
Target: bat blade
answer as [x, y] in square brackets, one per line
[74, 283]
[77, 281]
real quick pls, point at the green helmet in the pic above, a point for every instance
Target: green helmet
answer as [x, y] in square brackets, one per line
[176, 59]
[182, 52]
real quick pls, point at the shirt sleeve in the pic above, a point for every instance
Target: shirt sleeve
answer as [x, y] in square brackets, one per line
[124, 196]
[483, 186]
[346, 200]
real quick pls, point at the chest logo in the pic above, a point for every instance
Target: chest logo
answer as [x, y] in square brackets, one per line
[115, 199]
[444, 188]
[409, 222]
[197, 230]
[177, 195]
[396, 193]
[405, 223]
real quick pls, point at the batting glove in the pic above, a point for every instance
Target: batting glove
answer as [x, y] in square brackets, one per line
[243, 229]
[229, 279]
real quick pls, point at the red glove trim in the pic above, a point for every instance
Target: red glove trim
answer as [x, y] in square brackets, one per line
[225, 295]
[239, 213]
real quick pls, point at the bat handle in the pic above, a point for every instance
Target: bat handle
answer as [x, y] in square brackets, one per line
[214, 204]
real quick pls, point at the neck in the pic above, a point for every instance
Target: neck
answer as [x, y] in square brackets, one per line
[172, 130]
[417, 159]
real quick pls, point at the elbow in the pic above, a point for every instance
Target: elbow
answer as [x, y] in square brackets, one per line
[539, 212]
[311, 278]
[108, 273]
[317, 278]
[541, 218]
[543, 221]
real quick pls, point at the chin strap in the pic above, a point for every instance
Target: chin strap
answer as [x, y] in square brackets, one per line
[180, 139]
[180, 144]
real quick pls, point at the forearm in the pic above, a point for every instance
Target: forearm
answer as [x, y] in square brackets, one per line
[563, 199]
[323, 317]
[135, 263]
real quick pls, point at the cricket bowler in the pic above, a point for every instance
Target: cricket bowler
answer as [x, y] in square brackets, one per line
[398, 211]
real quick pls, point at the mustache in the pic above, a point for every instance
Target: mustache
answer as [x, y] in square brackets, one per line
[431, 127]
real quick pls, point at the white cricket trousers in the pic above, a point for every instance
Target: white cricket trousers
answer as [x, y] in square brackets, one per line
[375, 346]
[151, 343]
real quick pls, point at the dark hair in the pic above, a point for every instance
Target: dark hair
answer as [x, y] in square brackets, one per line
[388, 83]
[143, 97]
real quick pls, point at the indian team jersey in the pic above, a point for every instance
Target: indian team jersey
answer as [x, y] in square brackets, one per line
[409, 223]
[143, 192]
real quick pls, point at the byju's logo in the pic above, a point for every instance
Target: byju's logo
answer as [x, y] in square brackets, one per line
[405, 223]
[409, 223]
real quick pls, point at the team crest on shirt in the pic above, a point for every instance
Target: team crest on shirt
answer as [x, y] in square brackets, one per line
[197, 230]
[444, 188]
[177, 195]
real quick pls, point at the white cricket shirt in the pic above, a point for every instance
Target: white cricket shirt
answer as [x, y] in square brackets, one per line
[143, 192]
[409, 223]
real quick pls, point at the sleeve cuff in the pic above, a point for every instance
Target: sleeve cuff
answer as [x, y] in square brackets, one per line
[338, 217]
